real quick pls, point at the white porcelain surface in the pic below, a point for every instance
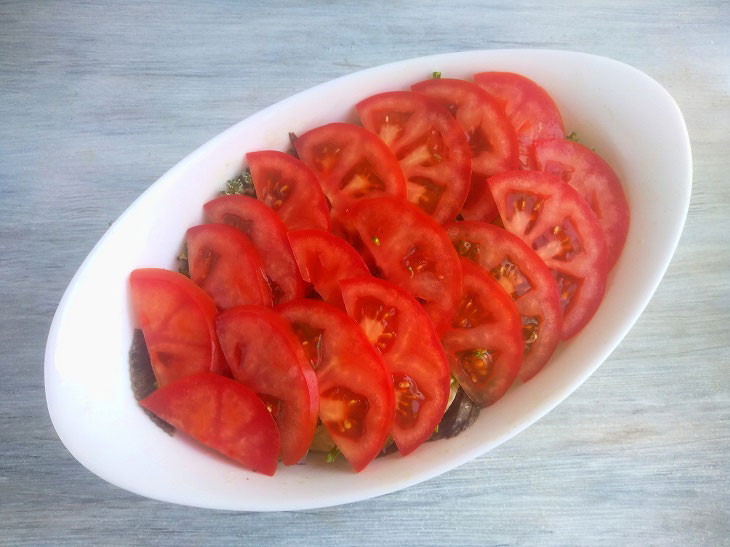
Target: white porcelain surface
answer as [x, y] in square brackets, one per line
[625, 115]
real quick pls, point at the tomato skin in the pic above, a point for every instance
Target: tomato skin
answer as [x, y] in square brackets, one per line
[323, 260]
[524, 276]
[488, 328]
[552, 218]
[403, 334]
[492, 139]
[290, 188]
[178, 322]
[431, 147]
[222, 414]
[268, 234]
[356, 392]
[532, 111]
[225, 264]
[595, 181]
[413, 251]
[350, 163]
[264, 354]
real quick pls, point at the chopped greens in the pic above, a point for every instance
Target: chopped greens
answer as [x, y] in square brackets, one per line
[242, 184]
[182, 258]
[572, 137]
[332, 454]
[436, 74]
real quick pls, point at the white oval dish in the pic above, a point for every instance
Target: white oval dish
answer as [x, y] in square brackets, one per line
[629, 118]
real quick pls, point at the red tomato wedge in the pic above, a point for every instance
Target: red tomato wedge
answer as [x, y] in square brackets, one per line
[594, 179]
[264, 354]
[558, 225]
[323, 260]
[356, 401]
[526, 279]
[412, 251]
[178, 322]
[399, 328]
[528, 106]
[351, 163]
[222, 414]
[225, 264]
[492, 139]
[484, 344]
[431, 147]
[267, 232]
[290, 188]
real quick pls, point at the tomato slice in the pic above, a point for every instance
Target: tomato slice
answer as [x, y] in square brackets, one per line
[484, 343]
[351, 163]
[267, 232]
[290, 188]
[222, 414]
[528, 106]
[178, 322]
[323, 260]
[594, 179]
[558, 225]
[412, 251]
[492, 139]
[400, 329]
[356, 401]
[431, 147]
[225, 264]
[265, 355]
[526, 279]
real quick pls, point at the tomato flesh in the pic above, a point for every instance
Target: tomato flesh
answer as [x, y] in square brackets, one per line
[225, 264]
[484, 344]
[401, 331]
[556, 223]
[528, 106]
[492, 139]
[290, 188]
[413, 251]
[350, 163]
[323, 260]
[525, 277]
[355, 390]
[222, 414]
[178, 322]
[268, 233]
[595, 181]
[265, 355]
[430, 145]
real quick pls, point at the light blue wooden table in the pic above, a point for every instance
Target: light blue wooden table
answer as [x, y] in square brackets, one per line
[99, 99]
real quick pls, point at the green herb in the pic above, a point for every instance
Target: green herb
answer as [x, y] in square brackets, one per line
[573, 137]
[376, 241]
[241, 185]
[436, 74]
[437, 429]
[480, 353]
[184, 266]
[332, 454]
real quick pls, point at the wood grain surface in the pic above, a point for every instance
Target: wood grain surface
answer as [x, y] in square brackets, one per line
[98, 99]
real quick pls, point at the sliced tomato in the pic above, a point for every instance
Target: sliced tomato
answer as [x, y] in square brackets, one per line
[528, 106]
[225, 264]
[356, 401]
[222, 414]
[264, 354]
[484, 343]
[431, 147]
[290, 188]
[526, 279]
[267, 232]
[350, 163]
[412, 251]
[400, 329]
[594, 179]
[492, 139]
[178, 322]
[323, 260]
[558, 225]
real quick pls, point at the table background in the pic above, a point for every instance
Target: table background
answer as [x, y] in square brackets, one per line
[97, 100]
